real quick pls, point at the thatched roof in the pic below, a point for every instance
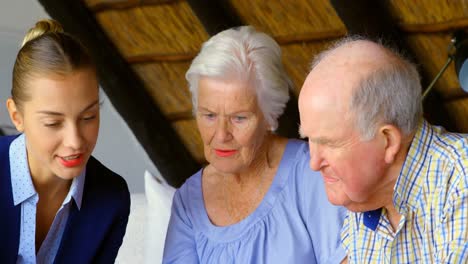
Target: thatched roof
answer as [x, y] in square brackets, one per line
[157, 39]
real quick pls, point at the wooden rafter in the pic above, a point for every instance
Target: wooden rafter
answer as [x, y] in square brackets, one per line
[283, 40]
[100, 6]
[127, 92]
[450, 25]
[215, 15]
[301, 38]
[149, 58]
[367, 18]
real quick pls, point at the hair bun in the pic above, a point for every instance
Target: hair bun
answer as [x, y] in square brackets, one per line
[42, 27]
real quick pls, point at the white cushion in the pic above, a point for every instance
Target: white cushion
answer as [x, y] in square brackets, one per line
[147, 223]
[159, 197]
[132, 249]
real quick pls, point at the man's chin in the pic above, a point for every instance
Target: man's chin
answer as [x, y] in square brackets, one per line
[353, 208]
[337, 201]
[335, 197]
[345, 202]
[341, 199]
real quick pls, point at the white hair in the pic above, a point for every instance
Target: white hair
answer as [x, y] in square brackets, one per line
[391, 94]
[244, 54]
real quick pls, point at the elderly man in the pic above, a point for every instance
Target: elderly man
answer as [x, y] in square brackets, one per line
[403, 181]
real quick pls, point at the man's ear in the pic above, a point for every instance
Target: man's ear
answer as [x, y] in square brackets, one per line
[393, 140]
[15, 115]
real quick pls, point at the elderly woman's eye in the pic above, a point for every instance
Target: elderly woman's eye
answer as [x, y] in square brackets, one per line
[239, 119]
[209, 116]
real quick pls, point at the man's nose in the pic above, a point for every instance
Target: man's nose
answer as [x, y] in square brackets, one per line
[316, 158]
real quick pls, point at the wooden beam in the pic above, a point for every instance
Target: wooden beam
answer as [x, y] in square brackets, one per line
[368, 18]
[450, 25]
[174, 117]
[127, 92]
[460, 95]
[215, 15]
[100, 6]
[282, 40]
[288, 123]
[149, 58]
[299, 38]
[458, 109]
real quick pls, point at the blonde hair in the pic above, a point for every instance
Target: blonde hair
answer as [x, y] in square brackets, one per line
[46, 50]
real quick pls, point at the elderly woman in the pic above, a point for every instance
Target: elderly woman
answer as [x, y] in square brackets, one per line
[257, 201]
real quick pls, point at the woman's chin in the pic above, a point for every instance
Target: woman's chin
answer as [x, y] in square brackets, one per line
[68, 173]
[226, 167]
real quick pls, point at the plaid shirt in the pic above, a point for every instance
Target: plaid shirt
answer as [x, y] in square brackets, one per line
[431, 194]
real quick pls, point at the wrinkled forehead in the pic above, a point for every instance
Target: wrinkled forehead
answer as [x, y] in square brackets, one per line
[221, 93]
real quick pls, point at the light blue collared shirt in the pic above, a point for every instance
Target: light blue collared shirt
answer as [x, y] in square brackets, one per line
[25, 194]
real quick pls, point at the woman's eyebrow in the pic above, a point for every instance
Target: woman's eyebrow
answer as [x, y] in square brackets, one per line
[93, 104]
[54, 113]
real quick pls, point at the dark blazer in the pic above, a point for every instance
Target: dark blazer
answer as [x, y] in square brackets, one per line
[93, 234]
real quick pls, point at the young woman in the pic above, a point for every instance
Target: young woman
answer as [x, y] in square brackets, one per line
[57, 203]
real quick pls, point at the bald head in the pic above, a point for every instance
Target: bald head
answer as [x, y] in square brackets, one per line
[366, 82]
[350, 61]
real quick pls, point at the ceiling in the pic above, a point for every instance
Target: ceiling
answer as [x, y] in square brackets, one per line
[157, 39]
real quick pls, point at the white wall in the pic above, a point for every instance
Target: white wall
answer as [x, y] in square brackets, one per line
[117, 148]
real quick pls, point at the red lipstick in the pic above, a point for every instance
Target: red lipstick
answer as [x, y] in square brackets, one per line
[225, 153]
[71, 161]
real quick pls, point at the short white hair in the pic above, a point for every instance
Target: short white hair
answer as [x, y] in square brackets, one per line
[244, 54]
[391, 94]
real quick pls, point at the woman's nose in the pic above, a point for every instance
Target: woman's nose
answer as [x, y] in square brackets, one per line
[73, 138]
[223, 130]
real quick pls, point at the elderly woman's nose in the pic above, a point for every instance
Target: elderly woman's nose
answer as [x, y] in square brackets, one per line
[223, 130]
